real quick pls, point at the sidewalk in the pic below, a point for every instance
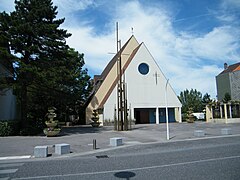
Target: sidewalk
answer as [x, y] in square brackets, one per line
[81, 138]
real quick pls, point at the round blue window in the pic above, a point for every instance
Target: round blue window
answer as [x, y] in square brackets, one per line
[143, 68]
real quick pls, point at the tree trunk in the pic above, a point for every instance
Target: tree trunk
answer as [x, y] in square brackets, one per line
[23, 105]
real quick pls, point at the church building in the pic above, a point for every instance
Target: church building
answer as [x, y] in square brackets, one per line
[9, 109]
[147, 90]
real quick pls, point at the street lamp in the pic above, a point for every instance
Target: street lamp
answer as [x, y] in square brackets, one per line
[167, 109]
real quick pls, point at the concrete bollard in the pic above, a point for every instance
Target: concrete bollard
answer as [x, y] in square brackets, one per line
[40, 151]
[62, 149]
[117, 141]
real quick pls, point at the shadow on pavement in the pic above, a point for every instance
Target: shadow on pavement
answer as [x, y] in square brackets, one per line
[67, 131]
[125, 174]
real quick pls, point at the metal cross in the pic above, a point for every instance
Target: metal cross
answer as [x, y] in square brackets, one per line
[156, 76]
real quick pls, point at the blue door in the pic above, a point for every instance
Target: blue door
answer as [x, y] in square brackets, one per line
[152, 116]
[145, 115]
[162, 115]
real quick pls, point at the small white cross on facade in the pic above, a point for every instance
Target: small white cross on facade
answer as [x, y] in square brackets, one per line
[156, 75]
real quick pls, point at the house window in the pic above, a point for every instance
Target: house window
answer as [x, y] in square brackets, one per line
[143, 68]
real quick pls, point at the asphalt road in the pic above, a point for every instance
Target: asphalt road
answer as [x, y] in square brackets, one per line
[216, 158]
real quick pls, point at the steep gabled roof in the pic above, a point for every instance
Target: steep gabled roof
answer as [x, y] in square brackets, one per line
[99, 79]
[118, 77]
[231, 68]
[113, 61]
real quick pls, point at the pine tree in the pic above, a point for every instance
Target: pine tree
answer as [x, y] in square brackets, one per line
[6, 59]
[206, 99]
[35, 36]
[47, 72]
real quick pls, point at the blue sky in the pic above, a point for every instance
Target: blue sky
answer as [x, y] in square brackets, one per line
[189, 39]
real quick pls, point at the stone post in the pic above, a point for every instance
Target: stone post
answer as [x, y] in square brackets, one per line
[157, 115]
[221, 111]
[225, 112]
[208, 113]
[180, 114]
[230, 110]
[211, 110]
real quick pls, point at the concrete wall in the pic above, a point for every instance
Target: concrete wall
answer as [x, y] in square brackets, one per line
[144, 91]
[223, 85]
[228, 83]
[148, 90]
[235, 85]
[8, 105]
[226, 121]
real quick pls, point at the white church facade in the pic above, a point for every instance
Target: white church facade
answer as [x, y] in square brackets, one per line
[148, 91]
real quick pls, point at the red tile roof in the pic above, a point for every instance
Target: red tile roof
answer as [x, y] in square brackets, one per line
[231, 68]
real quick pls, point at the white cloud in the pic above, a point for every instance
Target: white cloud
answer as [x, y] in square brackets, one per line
[69, 6]
[182, 56]
[96, 49]
[228, 12]
[201, 78]
[189, 60]
[69, 9]
[219, 44]
[231, 3]
[226, 17]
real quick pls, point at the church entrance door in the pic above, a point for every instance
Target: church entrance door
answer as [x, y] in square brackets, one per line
[144, 116]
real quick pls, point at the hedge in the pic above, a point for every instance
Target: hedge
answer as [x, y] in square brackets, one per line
[9, 128]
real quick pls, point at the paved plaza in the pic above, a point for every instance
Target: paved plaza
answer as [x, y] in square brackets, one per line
[81, 138]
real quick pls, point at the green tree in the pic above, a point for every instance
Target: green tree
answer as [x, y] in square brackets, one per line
[66, 85]
[6, 59]
[206, 99]
[35, 36]
[47, 72]
[191, 99]
[227, 98]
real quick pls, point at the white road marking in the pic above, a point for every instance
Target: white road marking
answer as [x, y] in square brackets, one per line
[5, 178]
[15, 157]
[10, 165]
[8, 168]
[8, 171]
[131, 169]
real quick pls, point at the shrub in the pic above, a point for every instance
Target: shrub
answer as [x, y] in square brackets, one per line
[30, 130]
[5, 129]
[9, 128]
[32, 127]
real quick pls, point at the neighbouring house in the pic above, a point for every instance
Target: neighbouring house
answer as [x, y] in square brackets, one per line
[147, 90]
[228, 81]
[8, 102]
